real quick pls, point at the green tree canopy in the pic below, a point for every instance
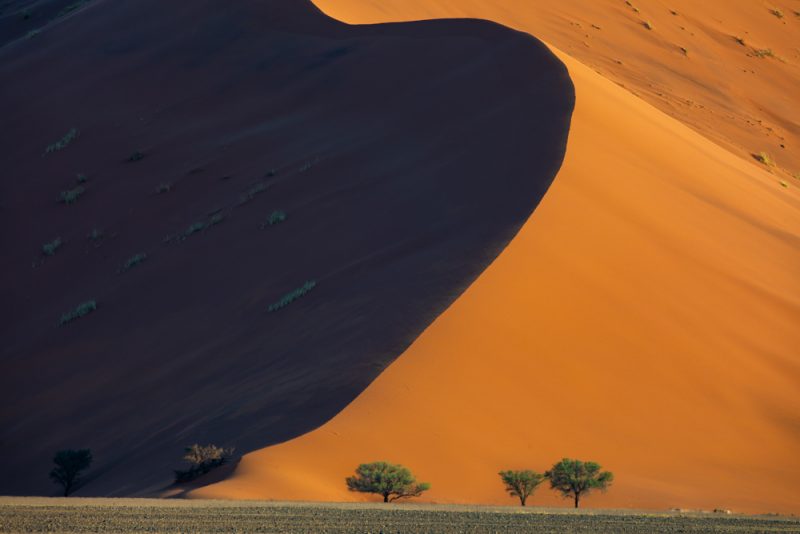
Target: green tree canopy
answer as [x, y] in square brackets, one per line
[574, 478]
[389, 480]
[521, 484]
[69, 464]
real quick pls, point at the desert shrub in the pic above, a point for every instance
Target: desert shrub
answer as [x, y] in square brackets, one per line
[33, 33]
[81, 178]
[201, 460]
[83, 309]
[521, 484]
[50, 249]
[740, 40]
[133, 261]
[777, 12]
[390, 481]
[647, 24]
[216, 218]
[136, 156]
[763, 52]
[292, 296]
[574, 478]
[276, 217]
[194, 228]
[251, 193]
[69, 464]
[72, 195]
[764, 158]
[72, 7]
[62, 143]
[163, 188]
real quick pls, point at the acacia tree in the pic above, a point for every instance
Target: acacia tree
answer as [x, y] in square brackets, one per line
[521, 484]
[389, 480]
[574, 478]
[69, 464]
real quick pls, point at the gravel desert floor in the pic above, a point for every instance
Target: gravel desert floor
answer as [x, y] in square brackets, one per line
[145, 515]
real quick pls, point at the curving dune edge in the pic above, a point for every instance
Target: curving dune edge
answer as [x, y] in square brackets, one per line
[644, 317]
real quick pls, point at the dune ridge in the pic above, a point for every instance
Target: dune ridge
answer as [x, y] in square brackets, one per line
[266, 207]
[644, 317]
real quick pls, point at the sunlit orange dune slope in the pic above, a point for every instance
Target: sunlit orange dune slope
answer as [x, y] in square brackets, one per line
[729, 69]
[645, 317]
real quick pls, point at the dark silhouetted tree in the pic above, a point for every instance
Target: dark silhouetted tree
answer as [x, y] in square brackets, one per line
[391, 481]
[521, 484]
[201, 460]
[69, 464]
[574, 478]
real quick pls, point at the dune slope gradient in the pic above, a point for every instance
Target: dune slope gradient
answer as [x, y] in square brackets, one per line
[645, 317]
[264, 205]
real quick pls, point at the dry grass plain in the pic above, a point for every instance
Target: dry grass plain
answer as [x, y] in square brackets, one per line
[150, 515]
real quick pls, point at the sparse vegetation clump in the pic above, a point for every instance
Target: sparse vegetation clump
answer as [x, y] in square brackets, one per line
[81, 178]
[647, 24]
[521, 484]
[777, 12]
[62, 143]
[740, 40]
[292, 296]
[83, 309]
[390, 481]
[69, 465]
[764, 159]
[133, 261]
[50, 249]
[162, 188]
[216, 218]
[202, 459]
[72, 7]
[136, 156]
[72, 195]
[276, 217]
[575, 479]
[194, 228]
[251, 193]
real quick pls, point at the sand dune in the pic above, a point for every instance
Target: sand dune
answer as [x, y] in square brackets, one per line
[645, 317]
[689, 65]
[191, 128]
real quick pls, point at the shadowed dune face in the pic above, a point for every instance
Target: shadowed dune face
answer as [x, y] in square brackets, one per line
[405, 157]
[729, 69]
[645, 317]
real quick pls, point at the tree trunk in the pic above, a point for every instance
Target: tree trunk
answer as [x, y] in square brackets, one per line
[386, 498]
[522, 500]
[577, 499]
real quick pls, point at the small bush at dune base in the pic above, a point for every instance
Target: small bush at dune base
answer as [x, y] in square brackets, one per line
[575, 479]
[202, 459]
[69, 464]
[390, 481]
[521, 484]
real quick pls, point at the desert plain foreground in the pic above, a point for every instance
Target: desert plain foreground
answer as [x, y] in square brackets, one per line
[167, 516]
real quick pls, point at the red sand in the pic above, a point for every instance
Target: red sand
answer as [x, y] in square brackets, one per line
[645, 317]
